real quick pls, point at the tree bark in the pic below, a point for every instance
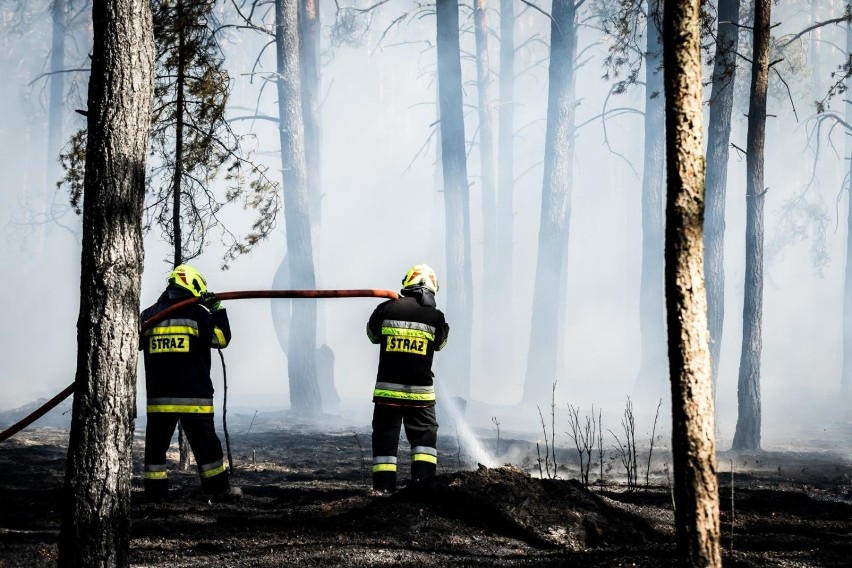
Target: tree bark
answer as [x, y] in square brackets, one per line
[653, 367]
[95, 526]
[456, 198]
[716, 180]
[492, 305]
[693, 443]
[301, 359]
[747, 434]
[551, 266]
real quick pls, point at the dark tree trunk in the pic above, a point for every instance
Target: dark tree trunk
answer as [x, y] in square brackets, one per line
[95, 527]
[693, 443]
[177, 179]
[747, 434]
[492, 305]
[456, 198]
[651, 383]
[716, 180]
[180, 83]
[301, 358]
[57, 88]
[846, 380]
[506, 158]
[555, 206]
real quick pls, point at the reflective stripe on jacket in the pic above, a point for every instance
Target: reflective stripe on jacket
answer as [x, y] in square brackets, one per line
[176, 352]
[408, 333]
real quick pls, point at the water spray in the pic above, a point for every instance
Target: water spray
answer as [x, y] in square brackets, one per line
[463, 430]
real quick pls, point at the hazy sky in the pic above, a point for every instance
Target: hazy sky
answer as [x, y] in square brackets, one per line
[380, 209]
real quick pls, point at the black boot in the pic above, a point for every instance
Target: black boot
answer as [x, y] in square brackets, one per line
[384, 481]
[422, 470]
[156, 490]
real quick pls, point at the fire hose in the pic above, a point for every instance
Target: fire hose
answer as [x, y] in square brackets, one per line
[240, 295]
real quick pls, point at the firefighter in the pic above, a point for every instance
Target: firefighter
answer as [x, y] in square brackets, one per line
[409, 331]
[177, 372]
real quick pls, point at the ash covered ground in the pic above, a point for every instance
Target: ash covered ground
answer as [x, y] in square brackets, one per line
[308, 502]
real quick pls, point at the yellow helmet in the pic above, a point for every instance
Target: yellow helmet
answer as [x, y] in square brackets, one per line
[421, 275]
[188, 278]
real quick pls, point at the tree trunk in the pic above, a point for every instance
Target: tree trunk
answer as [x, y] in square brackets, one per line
[301, 355]
[716, 180]
[747, 434]
[177, 175]
[177, 179]
[693, 442]
[456, 199]
[506, 160]
[846, 380]
[309, 27]
[653, 368]
[95, 527]
[57, 89]
[492, 305]
[551, 267]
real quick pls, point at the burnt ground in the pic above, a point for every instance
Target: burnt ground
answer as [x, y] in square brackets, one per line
[307, 502]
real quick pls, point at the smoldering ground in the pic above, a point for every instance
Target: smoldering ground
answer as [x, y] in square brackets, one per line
[308, 500]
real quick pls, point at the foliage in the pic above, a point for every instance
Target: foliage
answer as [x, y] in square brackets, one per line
[192, 143]
[620, 21]
[191, 92]
[73, 162]
[625, 24]
[838, 87]
[840, 74]
[350, 26]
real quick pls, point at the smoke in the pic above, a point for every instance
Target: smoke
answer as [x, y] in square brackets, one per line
[381, 215]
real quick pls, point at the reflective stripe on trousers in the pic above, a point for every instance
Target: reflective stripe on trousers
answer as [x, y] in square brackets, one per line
[424, 453]
[384, 463]
[210, 469]
[180, 405]
[155, 471]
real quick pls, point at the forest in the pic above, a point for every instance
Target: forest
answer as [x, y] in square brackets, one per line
[638, 213]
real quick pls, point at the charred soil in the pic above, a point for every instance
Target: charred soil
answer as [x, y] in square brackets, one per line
[307, 501]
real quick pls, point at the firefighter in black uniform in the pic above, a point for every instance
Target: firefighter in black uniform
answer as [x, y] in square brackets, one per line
[409, 331]
[177, 373]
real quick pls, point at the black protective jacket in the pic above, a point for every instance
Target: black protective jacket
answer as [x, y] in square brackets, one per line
[409, 331]
[177, 354]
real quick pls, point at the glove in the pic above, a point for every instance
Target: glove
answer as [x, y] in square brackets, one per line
[211, 302]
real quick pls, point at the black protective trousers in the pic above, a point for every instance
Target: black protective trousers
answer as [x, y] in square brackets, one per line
[203, 440]
[421, 430]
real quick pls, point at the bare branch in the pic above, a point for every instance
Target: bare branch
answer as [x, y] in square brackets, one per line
[61, 71]
[843, 18]
[789, 94]
[534, 7]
